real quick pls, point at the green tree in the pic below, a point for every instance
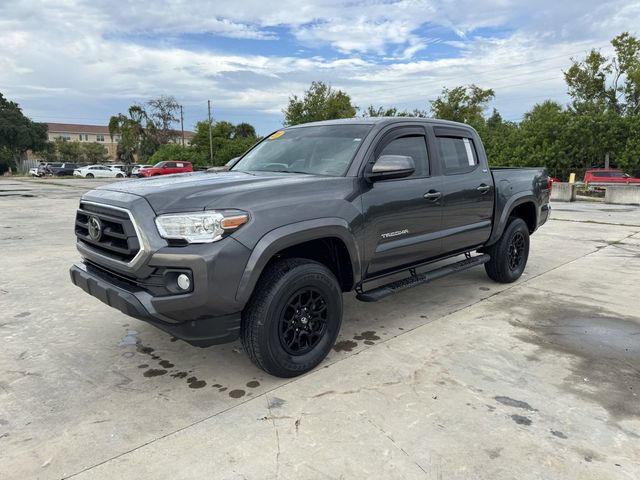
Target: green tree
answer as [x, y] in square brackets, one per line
[462, 104]
[17, 134]
[94, 152]
[543, 139]
[373, 111]
[599, 83]
[320, 102]
[245, 130]
[228, 141]
[145, 128]
[131, 131]
[629, 158]
[173, 151]
[605, 99]
[69, 151]
[162, 115]
[501, 140]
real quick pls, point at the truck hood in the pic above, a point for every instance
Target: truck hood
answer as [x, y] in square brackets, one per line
[205, 190]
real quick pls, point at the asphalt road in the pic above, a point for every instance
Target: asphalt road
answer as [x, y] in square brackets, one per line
[459, 379]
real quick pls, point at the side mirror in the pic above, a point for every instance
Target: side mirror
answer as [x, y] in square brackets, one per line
[391, 166]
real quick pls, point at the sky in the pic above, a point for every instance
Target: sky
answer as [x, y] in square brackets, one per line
[81, 61]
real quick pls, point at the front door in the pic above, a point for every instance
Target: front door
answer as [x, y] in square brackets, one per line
[403, 216]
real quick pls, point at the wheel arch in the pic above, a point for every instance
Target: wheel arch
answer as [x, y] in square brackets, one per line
[522, 206]
[326, 240]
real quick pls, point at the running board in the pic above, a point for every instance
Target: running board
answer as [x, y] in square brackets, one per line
[383, 291]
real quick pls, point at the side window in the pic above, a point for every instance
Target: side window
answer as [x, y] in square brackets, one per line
[457, 154]
[414, 146]
[169, 165]
[179, 165]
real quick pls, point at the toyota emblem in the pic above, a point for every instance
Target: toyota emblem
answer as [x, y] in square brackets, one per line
[95, 228]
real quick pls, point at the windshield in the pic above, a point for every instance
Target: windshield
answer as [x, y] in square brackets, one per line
[321, 150]
[159, 165]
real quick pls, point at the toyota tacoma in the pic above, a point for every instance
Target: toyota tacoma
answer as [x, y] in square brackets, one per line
[265, 251]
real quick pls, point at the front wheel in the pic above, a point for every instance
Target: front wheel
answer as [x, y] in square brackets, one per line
[293, 317]
[120, 175]
[509, 254]
[89, 175]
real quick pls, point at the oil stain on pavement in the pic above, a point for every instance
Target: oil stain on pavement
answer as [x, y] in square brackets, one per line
[600, 342]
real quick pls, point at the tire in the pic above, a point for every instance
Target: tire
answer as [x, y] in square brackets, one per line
[281, 340]
[510, 253]
[119, 175]
[89, 175]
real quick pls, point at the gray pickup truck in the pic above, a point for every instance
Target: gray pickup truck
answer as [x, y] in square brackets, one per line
[265, 250]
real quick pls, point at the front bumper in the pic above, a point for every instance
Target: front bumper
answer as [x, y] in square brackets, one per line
[203, 331]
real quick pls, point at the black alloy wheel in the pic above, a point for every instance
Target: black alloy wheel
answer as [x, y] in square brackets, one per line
[516, 250]
[303, 321]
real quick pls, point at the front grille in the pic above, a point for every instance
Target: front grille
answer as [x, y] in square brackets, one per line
[117, 240]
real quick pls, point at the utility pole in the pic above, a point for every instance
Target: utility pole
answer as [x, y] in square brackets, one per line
[210, 137]
[182, 125]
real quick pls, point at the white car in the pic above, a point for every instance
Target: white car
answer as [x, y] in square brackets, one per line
[136, 169]
[98, 171]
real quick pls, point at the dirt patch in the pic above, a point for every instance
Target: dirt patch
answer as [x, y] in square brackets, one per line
[606, 348]
[369, 336]
[520, 420]
[236, 393]
[345, 346]
[510, 402]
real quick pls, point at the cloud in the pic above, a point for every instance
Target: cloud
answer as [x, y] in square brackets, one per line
[85, 58]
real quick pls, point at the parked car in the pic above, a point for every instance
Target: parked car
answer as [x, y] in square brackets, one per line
[265, 251]
[166, 168]
[34, 172]
[98, 171]
[136, 169]
[601, 178]
[63, 169]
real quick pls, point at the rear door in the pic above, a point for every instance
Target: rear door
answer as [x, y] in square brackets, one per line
[403, 216]
[468, 189]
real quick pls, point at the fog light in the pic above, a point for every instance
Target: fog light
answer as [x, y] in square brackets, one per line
[184, 282]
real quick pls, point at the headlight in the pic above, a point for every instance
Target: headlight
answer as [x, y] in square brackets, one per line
[199, 227]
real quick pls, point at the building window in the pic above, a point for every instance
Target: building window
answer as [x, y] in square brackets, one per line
[100, 138]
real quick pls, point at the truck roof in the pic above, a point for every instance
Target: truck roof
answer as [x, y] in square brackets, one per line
[381, 120]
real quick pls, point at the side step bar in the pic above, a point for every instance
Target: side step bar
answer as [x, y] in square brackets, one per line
[383, 291]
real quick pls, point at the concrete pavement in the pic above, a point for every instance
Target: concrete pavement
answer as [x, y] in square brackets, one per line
[461, 378]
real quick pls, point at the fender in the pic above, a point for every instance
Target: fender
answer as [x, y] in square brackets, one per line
[293, 234]
[513, 202]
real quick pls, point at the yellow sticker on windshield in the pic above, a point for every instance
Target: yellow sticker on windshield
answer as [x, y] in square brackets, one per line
[277, 134]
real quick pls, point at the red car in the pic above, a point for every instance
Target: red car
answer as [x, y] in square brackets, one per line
[166, 168]
[603, 178]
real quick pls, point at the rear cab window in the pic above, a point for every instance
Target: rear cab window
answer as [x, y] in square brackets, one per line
[457, 154]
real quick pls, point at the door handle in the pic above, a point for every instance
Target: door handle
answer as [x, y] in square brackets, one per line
[432, 195]
[483, 188]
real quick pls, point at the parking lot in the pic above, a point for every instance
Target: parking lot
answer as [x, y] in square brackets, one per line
[459, 379]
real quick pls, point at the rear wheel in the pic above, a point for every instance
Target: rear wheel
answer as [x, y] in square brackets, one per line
[120, 175]
[293, 317]
[89, 175]
[509, 254]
